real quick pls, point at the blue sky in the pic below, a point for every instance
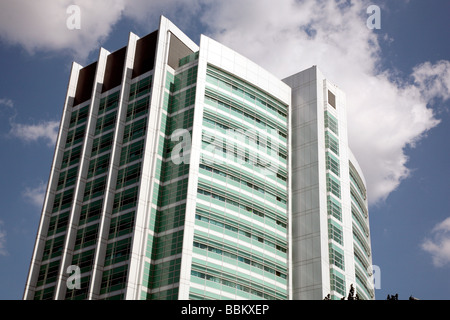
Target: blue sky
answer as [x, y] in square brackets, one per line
[397, 81]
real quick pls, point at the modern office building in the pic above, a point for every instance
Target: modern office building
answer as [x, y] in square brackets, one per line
[189, 172]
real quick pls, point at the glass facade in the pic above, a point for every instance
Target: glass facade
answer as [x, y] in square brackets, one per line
[240, 237]
[162, 271]
[92, 186]
[126, 187]
[61, 205]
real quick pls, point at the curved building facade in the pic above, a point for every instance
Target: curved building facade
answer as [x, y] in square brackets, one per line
[361, 231]
[186, 171]
[240, 233]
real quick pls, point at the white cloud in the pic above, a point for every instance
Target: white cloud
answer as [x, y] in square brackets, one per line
[181, 12]
[42, 25]
[433, 79]
[439, 245]
[7, 102]
[3, 251]
[35, 195]
[46, 130]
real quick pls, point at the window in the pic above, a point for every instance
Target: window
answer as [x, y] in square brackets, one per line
[132, 152]
[173, 192]
[45, 294]
[125, 199]
[79, 116]
[331, 123]
[63, 200]
[331, 99]
[182, 120]
[53, 247]
[118, 251]
[105, 123]
[95, 188]
[86, 236]
[335, 232]
[333, 164]
[185, 79]
[102, 144]
[135, 130]
[84, 260]
[336, 257]
[187, 59]
[337, 282]
[182, 100]
[108, 103]
[48, 273]
[67, 178]
[243, 206]
[98, 166]
[331, 143]
[140, 88]
[75, 136]
[121, 225]
[114, 279]
[138, 108]
[333, 186]
[334, 208]
[249, 233]
[168, 245]
[58, 223]
[91, 211]
[71, 157]
[165, 273]
[128, 176]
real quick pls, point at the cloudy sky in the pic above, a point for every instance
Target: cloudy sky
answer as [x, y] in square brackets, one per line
[397, 80]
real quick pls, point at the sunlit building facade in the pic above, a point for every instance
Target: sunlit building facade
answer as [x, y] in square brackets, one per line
[173, 178]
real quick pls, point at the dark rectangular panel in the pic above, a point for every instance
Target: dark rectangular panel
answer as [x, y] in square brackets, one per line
[144, 59]
[114, 69]
[331, 99]
[85, 84]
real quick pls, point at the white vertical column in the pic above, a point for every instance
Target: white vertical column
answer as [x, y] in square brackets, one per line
[165, 32]
[289, 204]
[191, 197]
[324, 286]
[143, 209]
[309, 238]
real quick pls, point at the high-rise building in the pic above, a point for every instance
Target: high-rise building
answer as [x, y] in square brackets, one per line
[189, 172]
